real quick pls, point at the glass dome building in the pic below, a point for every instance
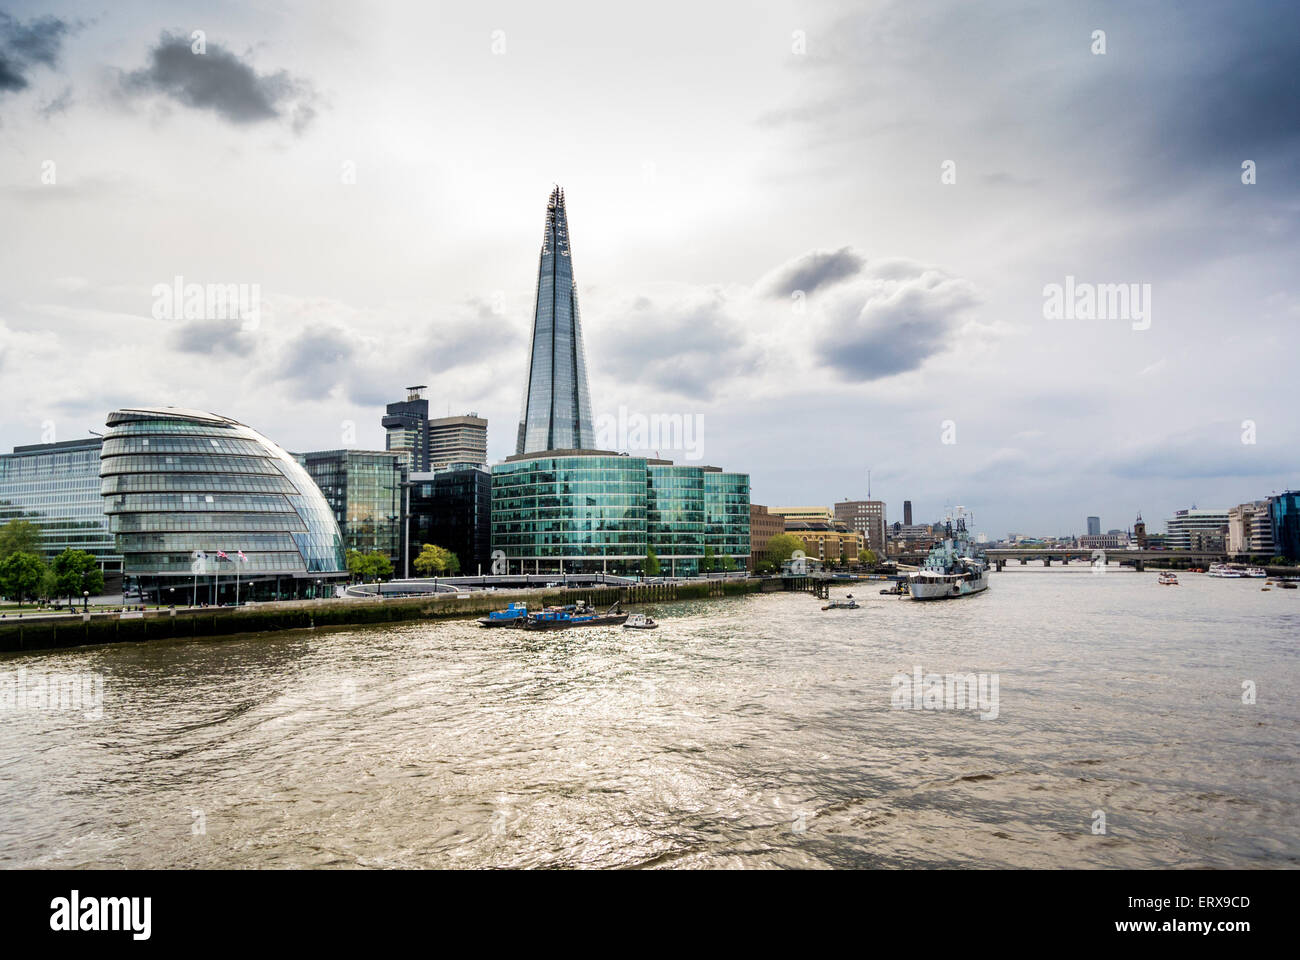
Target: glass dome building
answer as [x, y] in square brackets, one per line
[197, 501]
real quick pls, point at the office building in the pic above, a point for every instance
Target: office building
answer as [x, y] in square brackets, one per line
[406, 428]
[56, 487]
[1094, 526]
[868, 518]
[1250, 530]
[763, 526]
[1180, 527]
[461, 439]
[364, 491]
[451, 508]
[590, 511]
[183, 487]
[907, 513]
[557, 401]
[829, 541]
[1284, 514]
[812, 514]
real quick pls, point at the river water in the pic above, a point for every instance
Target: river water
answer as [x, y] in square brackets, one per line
[745, 732]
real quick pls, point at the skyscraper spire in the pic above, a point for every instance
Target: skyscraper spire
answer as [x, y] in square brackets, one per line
[557, 403]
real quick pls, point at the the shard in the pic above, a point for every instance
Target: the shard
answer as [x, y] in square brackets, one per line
[557, 402]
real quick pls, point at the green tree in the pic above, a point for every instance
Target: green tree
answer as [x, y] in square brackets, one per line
[707, 562]
[381, 565]
[77, 572]
[781, 547]
[434, 560]
[20, 536]
[868, 557]
[652, 568]
[728, 563]
[21, 575]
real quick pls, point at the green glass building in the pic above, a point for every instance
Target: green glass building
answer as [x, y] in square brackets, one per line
[364, 489]
[594, 511]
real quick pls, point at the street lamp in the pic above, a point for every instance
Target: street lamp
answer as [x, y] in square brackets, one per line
[85, 600]
[316, 596]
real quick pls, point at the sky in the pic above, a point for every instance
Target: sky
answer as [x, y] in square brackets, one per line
[824, 234]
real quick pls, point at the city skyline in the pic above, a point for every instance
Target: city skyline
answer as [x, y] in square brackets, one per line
[781, 256]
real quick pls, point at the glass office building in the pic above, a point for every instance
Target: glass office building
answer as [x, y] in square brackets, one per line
[180, 487]
[580, 511]
[56, 487]
[452, 508]
[364, 491]
[590, 511]
[557, 402]
[1284, 512]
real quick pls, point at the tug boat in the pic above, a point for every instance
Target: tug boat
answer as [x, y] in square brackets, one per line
[954, 568]
[639, 621]
[511, 616]
[848, 603]
[575, 615]
[1168, 579]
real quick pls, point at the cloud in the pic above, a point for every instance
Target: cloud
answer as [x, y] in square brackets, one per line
[813, 271]
[25, 45]
[212, 338]
[221, 82]
[886, 325]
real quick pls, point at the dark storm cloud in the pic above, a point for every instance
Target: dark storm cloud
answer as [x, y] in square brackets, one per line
[885, 331]
[24, 45]
[213, 337]
[815, 270]
[219, 81]
[1211, 451]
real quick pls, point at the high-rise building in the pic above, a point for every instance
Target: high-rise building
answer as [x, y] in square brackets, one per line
[406, 428]
[1094, 526]
[460, 439]
[867, 517]
[1250, 530]
[907, 513]
[557, 402]
[56, 487]
[364, 489]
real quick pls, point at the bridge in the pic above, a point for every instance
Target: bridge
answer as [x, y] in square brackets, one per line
[1138, 559]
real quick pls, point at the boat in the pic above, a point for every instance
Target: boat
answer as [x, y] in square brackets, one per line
[1236, 571]
[639, 621]
[1288, 584]
[511, 616]
[579, 614]
[848, 603]
[1168, 578]
[953, 568]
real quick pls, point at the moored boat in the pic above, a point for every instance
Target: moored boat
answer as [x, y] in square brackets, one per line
[511, 616]
[847, 603]
[576, 615]
[954, 568]
[639, 621]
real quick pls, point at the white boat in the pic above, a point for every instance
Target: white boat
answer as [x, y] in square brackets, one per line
[1235, 571]
[848, 603]
[1168, 578]
[952, 569]
[639, 621]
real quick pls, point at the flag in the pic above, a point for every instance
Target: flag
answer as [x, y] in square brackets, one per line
[222, 555]
[242, 558]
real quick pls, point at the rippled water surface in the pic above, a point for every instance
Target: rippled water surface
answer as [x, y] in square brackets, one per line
[754, 732]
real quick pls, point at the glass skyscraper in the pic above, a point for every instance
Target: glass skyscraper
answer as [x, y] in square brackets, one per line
[557, 402]
[364, 489]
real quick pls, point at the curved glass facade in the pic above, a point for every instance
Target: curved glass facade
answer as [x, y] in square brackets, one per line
[179, 486]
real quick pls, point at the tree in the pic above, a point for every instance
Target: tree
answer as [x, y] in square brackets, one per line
[868, 557]
[20, 536]
[21, 575]
[77, 572]
[707, 562]
[369, 566]
[728, 563]
[434, 560]
[652, 568]
[781, 547]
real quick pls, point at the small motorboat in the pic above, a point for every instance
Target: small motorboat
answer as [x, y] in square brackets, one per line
[1288, 584]
[1168, 579]
[511, 616]
[577, 615]
[639, 621]
[848, 603]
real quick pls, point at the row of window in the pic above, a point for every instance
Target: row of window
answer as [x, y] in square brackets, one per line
[197, 502]
[205, 483]
[155, 522]
[167, 463]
